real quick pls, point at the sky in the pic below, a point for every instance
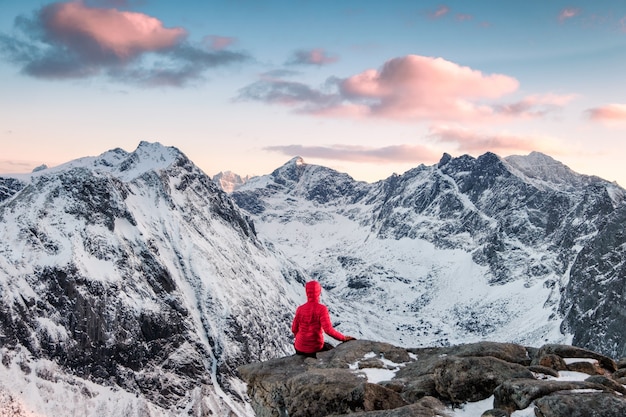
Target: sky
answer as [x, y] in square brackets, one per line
[370, 88]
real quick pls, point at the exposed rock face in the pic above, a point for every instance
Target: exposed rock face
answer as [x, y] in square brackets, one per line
[597, 289]
[9, 186]
[365, 378]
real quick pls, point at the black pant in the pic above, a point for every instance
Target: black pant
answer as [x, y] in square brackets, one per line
[327, 346]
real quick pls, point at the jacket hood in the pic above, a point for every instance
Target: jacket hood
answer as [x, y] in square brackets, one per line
[313, 290]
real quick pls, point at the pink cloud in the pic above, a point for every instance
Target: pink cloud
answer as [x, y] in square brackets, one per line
[8, 166]
[440, 12]
[319, 57]
[611, 113]
[361, 154]
[410, 88]
[315, 56]
[217, 43]
[68, 40]
[472, 141]
[536, 105]
[462, 17]
[568, 13]
[123, 34]
[288, 93]
[419, 87]
[345, 110]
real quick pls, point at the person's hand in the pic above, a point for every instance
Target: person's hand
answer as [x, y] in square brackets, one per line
[349, 338]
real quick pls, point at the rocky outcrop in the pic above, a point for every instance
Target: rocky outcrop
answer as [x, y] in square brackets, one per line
[366, 378]
[8, 187]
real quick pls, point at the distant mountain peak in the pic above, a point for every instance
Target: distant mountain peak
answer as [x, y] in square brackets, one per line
[126, 165]
[149, 157]
[294, 163]
[445, 158]
[229, 181]
[290, 171]
[40, 168]
[539, 166]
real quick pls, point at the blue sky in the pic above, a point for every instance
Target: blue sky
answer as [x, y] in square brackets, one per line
[366, 87]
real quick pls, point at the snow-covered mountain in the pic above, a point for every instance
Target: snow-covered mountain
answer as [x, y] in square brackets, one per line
[520, 249]
[130, 284]
[229, 181]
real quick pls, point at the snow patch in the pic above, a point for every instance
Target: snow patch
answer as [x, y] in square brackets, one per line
[374, 375]
[576, 360]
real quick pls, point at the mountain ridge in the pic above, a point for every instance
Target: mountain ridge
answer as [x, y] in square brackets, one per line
[524, 230]
[133, 276]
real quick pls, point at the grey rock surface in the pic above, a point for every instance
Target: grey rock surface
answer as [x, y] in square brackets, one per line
[429, 382]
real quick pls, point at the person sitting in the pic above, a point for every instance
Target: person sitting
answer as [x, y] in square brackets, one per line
[311, 322]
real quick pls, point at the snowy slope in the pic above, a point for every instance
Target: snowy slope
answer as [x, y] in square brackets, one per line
[469, 249]
[130, 284]
[131, 278]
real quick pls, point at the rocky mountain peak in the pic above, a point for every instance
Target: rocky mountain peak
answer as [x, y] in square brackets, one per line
[290, 172]
[444, 160]
[298, 179]
[229, 181]
[133, 270]
[146, 158]
[539, 166]
[40, 168]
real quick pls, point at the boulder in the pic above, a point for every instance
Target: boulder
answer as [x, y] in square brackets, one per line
[306, 387]
[585, 404]
[518, 394]
[550, 360]
[567, 351]
[377, 397]
[421, 386]
[425, 407]
[509, 352]
[460, 379]
[586, 368]
[543, 370]
[355, 350]
[316, 392]
[607, 382]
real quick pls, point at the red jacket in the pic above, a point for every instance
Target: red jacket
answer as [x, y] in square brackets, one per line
[312, 321]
